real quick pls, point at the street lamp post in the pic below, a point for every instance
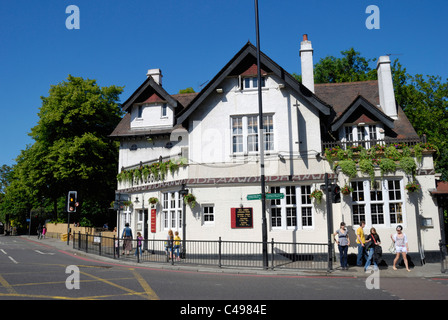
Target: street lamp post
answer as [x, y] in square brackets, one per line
[261, 145]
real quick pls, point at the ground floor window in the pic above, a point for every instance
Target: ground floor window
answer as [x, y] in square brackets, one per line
[172, 210]
[208, 214]
[378, 204]
[294, 211]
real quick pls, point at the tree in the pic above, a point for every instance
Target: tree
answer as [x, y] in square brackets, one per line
[72, 150]
[187, 90]
[425, 102]
[350, 67]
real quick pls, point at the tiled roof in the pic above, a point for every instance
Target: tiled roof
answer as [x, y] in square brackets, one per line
[341, 95]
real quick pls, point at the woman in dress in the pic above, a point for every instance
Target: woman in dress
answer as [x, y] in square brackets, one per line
[401, 247]
[127, 239]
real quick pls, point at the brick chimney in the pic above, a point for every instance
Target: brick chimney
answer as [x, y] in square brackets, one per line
[156, 75]
[386, 87]
[306, 59]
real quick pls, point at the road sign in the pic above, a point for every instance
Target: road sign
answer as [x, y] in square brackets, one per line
[269, 196]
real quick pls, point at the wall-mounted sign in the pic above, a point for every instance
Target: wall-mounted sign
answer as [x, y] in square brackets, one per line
[153, 220]
[241, 218]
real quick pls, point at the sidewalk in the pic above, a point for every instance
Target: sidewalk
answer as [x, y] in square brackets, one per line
[428, 270]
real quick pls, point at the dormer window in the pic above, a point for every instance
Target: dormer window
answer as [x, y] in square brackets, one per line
[252, 82]
[361, 134]
[140, 112]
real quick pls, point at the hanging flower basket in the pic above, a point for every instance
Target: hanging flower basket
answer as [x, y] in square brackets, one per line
[413, 187]
[317, 195]
[153, 200]
[346, 190]
[190, 199]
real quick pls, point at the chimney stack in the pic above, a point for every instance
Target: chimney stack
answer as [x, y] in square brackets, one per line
[386, 87]
[306, 58]
[156, 75]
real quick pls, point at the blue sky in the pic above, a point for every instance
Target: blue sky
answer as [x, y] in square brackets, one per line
[118, 41]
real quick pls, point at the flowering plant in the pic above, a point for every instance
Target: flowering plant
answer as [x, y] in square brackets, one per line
[317, 195]
[346, 190]
[413, 186]
[190, 199]
[153, 200]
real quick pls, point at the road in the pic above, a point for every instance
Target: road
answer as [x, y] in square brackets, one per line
[31, 270]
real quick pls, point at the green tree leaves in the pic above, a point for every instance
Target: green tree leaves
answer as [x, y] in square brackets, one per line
[72, 150]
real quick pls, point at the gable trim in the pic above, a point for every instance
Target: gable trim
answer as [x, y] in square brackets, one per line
[264, 60]
[149, 82]
[360, 101]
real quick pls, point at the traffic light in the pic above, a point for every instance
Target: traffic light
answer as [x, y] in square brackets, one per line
[335, 193]
[72, 201]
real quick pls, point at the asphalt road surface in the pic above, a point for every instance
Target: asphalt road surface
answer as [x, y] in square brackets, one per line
[32, 270]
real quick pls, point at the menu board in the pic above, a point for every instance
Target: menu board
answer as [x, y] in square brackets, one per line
[242, 218]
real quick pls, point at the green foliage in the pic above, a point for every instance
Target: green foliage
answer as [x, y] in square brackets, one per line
[348, 167]
[351, 67]
[408, 165]
[187, 90]
[387, 166]
[71, 151]
[156, 170]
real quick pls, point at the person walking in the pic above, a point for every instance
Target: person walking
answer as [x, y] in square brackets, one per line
[343, 243]
[44, 230]
[39, 231]
[169, 244]
[372, 241]
[360, 241]
[401, 247]
[127, 239]
[138, 250]
[177, 245]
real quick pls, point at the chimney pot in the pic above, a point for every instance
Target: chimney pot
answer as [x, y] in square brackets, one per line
[306, 60]
[156, 75]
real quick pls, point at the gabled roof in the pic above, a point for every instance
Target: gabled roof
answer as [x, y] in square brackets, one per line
[362, 108]
[146, 90]
[342, 96]
[238, 65]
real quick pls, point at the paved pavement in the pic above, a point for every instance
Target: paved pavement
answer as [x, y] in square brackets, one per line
[428, 270]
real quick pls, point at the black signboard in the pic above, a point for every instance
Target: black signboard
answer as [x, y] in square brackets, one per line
[242, 218]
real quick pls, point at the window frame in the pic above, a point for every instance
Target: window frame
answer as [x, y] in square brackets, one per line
[244, 131]
[295, 211]
[206, 222]
[171, 210]
[366, 207]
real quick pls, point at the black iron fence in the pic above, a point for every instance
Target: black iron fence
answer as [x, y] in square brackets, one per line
[243, 254]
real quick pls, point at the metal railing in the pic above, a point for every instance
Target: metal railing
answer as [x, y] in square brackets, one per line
[241, 254]
[370, 143]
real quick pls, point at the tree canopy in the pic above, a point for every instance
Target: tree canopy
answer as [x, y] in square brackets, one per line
[71, 151]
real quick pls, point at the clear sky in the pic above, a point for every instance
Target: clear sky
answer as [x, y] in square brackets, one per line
[119, 40]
